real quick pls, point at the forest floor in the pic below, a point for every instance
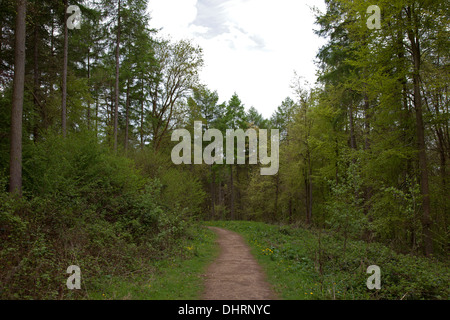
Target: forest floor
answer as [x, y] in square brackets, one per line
[235, 274]
[303, 264]
[242, 260]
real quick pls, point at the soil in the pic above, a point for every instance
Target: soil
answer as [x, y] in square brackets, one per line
[235, 274]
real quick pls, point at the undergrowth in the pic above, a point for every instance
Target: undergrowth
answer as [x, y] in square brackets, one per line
[301, 264]
[83, 205]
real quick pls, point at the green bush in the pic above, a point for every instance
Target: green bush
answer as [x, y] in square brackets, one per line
[84, 206]
[181, 191]
[297, 265]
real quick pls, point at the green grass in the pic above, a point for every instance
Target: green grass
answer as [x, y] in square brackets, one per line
[294, 265]
[290, 272]
[176, 278]
[298, 270]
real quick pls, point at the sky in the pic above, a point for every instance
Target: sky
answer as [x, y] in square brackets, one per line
[251, 47]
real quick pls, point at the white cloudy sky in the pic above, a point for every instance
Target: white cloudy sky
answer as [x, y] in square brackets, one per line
[251, 47]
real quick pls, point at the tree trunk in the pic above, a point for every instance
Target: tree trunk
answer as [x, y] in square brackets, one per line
[231, 193]
[36, 76]
[127, 116]
[290, 210]
[352, 129]
[64, 76]
[336, 163]
[310, 198]
[277, 191]
[15, 171]
[366, 122]
[142, 115]
[307, 195]
[96, 117]
[367, 189]
[52, 37]
[221, 200]
[116, 98]
[88, 79]
[423, 162]
[213, 191]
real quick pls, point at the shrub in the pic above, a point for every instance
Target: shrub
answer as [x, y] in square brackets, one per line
[82, 206]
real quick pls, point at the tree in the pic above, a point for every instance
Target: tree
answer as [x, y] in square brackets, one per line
[283, 116]
[175, 75]
[379, 79]
[234, 118]
[64, 75]
[203, 106]
[137, 65]
[414, 37]
[15, 180]
[116, 88]
[256, 119]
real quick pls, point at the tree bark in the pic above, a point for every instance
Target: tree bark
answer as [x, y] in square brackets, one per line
[64, 76]
[277, 191]
[36, 76]
[213, 192]
[96, 117]
[352, 129]
[423, 162]
[231, 193]
[310, 197]
[116, 101]
[127, 116]
[89, 78]
[141, 131]
[336, 162]
[15, 171]
[307, 201]
[221, 202]
[290, 210]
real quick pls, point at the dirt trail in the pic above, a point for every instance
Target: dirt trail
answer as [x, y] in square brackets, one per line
[235, 274]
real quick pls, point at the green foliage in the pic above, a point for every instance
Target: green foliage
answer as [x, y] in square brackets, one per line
[306, 264]
[345, 206]
[261, 189]
[349, 161]
[234, 117]
[175, 278]
[12, 226]
[182, 192]
[83, 206]
[73, 167]
[397, 209]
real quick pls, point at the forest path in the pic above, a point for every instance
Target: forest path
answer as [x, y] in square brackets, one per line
[235, 274]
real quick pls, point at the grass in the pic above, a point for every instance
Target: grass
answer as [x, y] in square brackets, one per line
[290, 273]
[298, 268]
[176, 278]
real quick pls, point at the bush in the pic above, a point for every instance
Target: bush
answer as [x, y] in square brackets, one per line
[182, 192]
[295, 262]
[82, 206]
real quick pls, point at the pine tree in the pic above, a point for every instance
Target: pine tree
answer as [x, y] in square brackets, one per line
[15, 180]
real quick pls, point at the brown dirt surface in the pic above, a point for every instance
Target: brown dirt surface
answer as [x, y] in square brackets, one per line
[235, 274]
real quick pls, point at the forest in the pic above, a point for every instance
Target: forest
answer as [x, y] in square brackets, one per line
[86, 122]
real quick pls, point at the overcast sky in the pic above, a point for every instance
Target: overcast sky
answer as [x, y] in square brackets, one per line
[251, 47]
